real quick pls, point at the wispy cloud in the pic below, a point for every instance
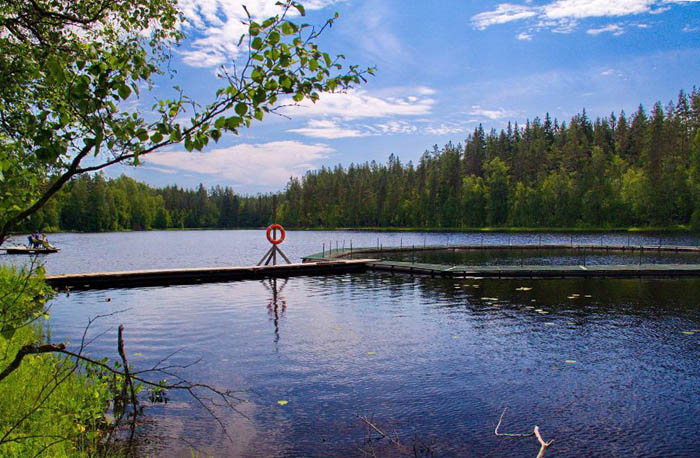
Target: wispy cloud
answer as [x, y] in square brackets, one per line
[563, 16]
[493, 113]
[395, 127]
[216, 26]
[379, 38]
[329, 129]
[505, 12]
[524, 36]
[248, 164]
[445, 128]
[359, 103]
[615, 29]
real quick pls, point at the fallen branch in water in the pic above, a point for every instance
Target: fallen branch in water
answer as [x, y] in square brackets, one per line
[536, 432]
[384, 435]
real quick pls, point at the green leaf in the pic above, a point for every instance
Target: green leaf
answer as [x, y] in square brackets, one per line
[299, 8]
[257, 43]
[124, 91]
[241, 108]
[288, 28]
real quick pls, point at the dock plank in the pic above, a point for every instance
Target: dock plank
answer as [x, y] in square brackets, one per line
[161, 277]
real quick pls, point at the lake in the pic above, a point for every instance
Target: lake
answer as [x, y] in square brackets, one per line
[604, 367]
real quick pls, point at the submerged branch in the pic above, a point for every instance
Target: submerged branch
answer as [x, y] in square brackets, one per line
[536, 432]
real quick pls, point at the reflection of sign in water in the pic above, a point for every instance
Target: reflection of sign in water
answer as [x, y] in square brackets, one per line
[277, 304]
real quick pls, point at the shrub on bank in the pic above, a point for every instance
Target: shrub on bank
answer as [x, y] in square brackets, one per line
[48, 406]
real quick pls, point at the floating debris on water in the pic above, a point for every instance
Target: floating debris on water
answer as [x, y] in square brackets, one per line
[282, 402]
[688, 333]
[549, 324]
[371, 352]
[524, 288]
[570, 361]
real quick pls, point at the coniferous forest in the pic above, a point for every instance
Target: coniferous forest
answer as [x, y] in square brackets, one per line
[638, 170]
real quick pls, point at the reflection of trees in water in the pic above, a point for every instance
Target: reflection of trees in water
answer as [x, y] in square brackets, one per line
[277, 305]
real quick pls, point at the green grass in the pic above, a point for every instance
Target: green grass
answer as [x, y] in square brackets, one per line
[48, 406]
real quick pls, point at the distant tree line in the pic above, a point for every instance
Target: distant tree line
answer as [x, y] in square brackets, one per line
[95, 204]
[615, 171]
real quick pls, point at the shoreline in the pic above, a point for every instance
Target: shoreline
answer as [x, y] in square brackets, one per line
[580, 230]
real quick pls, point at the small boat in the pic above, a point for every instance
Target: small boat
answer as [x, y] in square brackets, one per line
[23, 249]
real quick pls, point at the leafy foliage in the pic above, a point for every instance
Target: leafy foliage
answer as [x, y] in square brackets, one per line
[46, 407]
[67, 70]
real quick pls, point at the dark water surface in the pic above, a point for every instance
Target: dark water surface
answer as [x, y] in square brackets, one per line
[605, 367]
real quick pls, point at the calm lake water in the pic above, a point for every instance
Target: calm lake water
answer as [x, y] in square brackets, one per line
[604, 367]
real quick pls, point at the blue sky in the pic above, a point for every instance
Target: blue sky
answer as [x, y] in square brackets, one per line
[443, 67]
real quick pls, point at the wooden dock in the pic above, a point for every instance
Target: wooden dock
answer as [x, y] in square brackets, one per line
[141, 278]
[338, 261]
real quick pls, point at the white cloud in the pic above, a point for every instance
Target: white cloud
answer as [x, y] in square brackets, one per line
[395, 127]
[689, 28]
[498, 113]
[358, 103]
[321, 128]
[248, 164]
[505, 12]
[524, 36]
[444, 129]
[562, 16]
[579, 9]
[615, 29]
[216, 26]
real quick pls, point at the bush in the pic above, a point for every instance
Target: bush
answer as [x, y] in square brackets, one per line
[48, 406]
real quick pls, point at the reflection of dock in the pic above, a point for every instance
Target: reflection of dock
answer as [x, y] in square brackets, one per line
[141, 278]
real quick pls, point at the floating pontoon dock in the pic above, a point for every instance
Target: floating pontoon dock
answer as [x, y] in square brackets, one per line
[340, 261]
[140, 278]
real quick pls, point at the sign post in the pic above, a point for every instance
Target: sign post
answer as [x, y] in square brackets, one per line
[271, 255]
